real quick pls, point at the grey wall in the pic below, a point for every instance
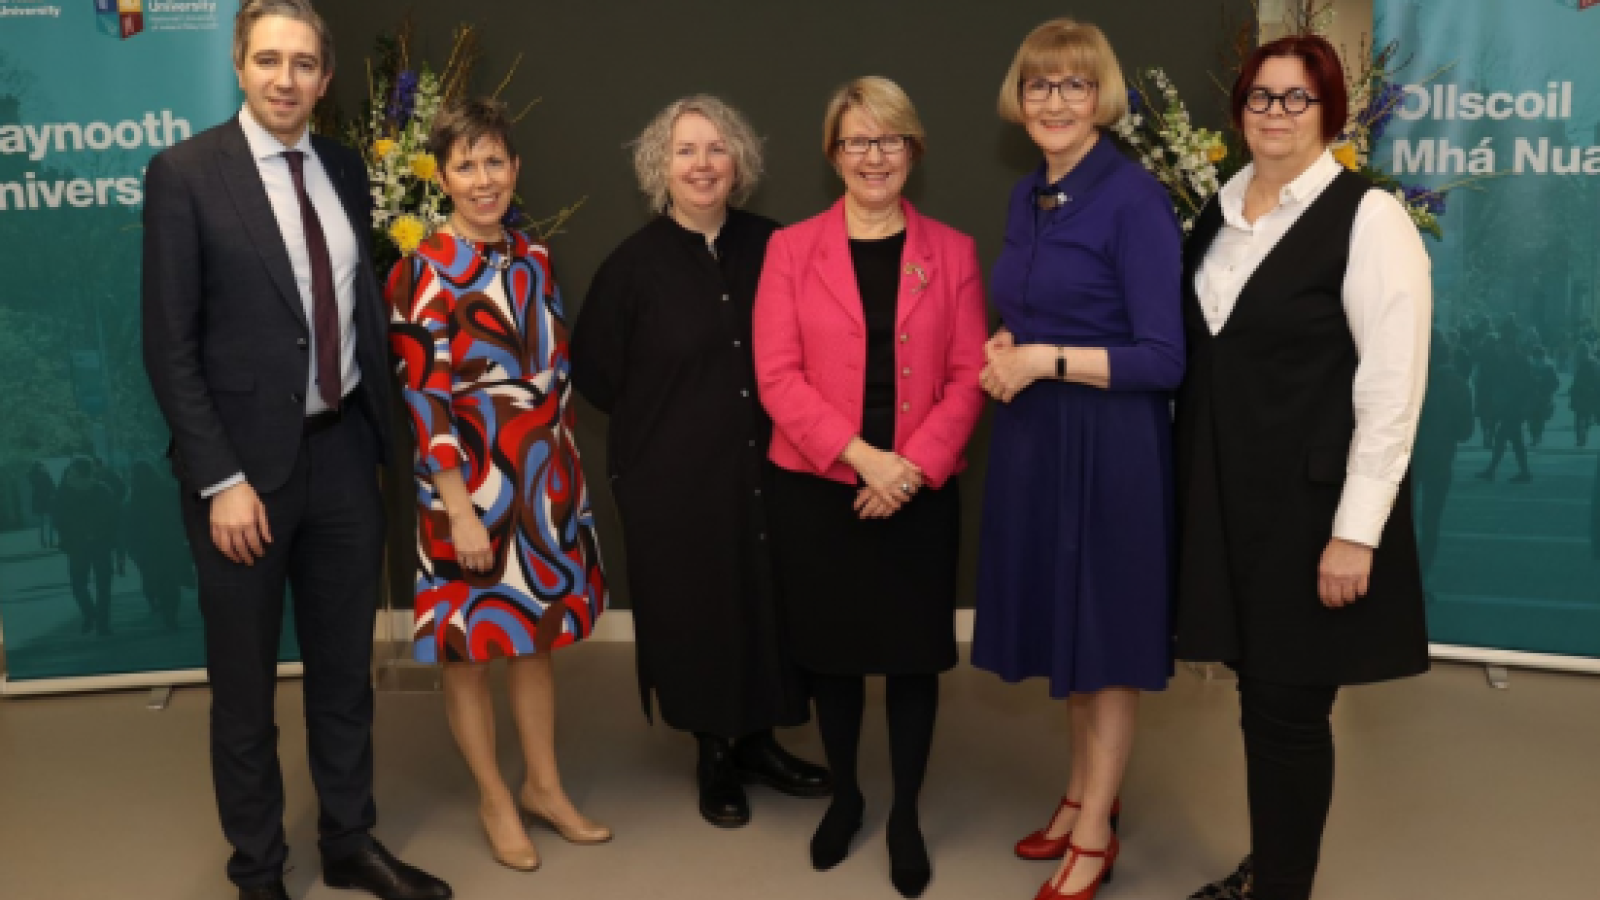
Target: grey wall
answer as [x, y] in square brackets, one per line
[603, 68]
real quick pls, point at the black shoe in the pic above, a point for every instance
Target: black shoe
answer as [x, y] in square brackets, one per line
[722, 799]
[1238, 886]
[273, 891]
[376, 871]
[831, 844]
[759, 757]
[909, 867]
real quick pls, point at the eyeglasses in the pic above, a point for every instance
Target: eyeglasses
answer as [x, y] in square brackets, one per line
[890, 144]
[1294, 101]
[1073, 89]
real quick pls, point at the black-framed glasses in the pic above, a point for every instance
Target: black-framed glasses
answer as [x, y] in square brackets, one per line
[890, 144]
[1073, 89]
[1294, 101]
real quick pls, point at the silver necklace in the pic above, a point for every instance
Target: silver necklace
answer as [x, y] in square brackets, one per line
[500, 261]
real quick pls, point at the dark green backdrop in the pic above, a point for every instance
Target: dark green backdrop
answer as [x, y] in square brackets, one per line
[604, 68]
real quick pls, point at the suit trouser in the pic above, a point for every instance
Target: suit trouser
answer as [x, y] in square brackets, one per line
[327, 546]
[82, 563]
[1288, 744]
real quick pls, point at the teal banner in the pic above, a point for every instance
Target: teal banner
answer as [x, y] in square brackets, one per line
[1498, 104]
[95, 572]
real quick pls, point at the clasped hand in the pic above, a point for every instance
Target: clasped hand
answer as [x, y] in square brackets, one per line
[891, 481]
[1011, 368]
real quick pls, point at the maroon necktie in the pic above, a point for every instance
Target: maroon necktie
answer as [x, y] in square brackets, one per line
[324, 302]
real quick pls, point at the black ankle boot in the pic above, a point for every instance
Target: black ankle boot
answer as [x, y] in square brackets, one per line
[909, 867]
[722, 799]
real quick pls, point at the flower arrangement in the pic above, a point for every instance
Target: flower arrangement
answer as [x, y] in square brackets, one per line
[1193, 163]
[402, 101]
[1190, 162]
[1374, 98]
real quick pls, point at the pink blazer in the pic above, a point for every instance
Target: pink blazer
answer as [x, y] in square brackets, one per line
[810, 345]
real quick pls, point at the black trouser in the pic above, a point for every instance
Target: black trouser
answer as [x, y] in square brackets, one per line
[1508, 430]
[327, 546]
[912, 703]
[1431, 478]
[1288, 744]
[81, 562]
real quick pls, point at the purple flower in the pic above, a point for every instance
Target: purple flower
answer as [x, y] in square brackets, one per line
[1380, 111]
[1135, 100]
[403, 99]
[513, 216]
[1432, 201]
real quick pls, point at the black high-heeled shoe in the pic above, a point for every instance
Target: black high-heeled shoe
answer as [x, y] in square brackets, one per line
[831, 843]
[910, 870]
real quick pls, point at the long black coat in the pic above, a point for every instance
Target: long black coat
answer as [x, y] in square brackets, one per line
[662, 344]
[1264, 426]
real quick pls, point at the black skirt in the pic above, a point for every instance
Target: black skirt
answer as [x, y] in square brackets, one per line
[866, 596]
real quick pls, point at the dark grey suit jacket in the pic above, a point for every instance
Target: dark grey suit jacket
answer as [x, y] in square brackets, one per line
[226, 341]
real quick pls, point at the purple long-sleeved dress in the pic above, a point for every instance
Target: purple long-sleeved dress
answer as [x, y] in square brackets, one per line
[1075, 569]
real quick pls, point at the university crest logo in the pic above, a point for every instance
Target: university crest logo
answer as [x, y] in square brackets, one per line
[119, 18]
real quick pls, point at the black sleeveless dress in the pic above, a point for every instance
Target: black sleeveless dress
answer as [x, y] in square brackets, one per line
[1264, 427]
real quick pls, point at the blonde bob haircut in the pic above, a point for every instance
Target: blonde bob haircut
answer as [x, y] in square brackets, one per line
[652, 149]
[884, 102]
[1067, 47]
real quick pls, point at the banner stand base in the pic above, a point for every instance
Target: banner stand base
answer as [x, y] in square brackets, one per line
[83, 684]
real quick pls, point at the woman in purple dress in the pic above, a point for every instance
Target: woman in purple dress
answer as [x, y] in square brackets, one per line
[1075, 568]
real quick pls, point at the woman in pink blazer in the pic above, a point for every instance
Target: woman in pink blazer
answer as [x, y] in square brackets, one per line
[868, 339]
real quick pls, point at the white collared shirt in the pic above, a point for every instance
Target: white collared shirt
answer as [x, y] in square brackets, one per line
[1388, 300]
[268, 152]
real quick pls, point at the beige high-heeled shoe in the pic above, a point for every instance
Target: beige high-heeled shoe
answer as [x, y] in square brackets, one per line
[521, 859]
[590, 834]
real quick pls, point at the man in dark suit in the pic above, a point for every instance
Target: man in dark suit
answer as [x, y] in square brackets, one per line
[264, 341]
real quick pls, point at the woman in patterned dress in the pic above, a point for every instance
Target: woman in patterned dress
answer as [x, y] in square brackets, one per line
[508, 561]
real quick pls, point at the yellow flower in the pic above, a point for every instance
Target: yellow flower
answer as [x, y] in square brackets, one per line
[407, 232]
[1218, 152]
[382, 147]
[424, 166]
[1346, 155]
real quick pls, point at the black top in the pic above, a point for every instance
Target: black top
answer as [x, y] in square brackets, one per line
[662, 344]
[877, 267]
[1264, 425]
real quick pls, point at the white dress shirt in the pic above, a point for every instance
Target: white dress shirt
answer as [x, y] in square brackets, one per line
[268, 152]
[1388, 300]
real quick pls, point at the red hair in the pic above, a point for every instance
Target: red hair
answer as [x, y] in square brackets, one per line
[1322, 69]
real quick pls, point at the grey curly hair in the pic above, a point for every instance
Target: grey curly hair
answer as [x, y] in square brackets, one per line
[652, 149]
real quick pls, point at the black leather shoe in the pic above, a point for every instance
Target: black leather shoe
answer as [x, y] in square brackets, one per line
[759, 757]
[722, 799]
[1238, 886]
[273, 891]
[376, 871]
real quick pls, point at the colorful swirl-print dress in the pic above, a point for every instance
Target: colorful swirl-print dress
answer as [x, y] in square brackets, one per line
[483, 364]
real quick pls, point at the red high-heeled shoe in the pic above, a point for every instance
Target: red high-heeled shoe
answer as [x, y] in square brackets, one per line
[1052, 888]
[1039, 845]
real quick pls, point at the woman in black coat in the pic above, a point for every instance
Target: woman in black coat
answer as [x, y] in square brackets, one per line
[662, 345]
[1307, 324]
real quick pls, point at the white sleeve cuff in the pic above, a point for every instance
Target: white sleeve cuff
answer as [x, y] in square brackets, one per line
[1364, 509]
[221, 486]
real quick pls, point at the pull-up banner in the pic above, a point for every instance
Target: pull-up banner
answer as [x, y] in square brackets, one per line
[1501, 99]
[95, 574]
